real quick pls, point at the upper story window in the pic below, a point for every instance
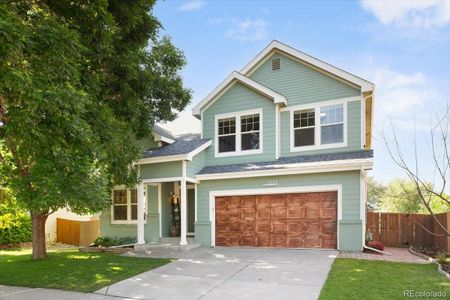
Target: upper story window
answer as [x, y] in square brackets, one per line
[124, 206]
[318, 127]
[239, 133]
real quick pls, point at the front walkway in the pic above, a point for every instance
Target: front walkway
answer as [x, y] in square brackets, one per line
[232, 273]
[398, 255]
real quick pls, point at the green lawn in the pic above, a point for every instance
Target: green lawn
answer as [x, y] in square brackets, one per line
[70, 269]
[365, 279]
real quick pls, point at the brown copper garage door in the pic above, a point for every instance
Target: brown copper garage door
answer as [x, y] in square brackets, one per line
[306, 220]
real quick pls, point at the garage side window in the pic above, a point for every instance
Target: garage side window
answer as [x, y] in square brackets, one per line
[124, 206]
[304, 127]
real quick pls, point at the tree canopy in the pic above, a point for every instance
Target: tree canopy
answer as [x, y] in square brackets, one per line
[80, 81]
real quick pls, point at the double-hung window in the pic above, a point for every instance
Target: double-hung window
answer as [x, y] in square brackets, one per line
[124, 206]
[318, 126]
[239, 133]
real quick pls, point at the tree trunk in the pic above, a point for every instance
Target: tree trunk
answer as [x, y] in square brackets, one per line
[38, 235]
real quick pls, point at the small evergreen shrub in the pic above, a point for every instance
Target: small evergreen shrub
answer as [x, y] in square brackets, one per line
[441, 258]
[106, 241]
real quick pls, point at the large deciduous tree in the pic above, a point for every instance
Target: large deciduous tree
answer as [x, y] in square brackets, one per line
[80, 81]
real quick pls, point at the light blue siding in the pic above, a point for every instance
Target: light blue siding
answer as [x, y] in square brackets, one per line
[240, 98]
[161, 170]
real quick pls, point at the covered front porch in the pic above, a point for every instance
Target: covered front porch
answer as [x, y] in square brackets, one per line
[158, 215]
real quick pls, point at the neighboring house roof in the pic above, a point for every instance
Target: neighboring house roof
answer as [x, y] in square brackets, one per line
[229, 81]
[289, 162]
[164, 135]
[276, 45]
[184, 148]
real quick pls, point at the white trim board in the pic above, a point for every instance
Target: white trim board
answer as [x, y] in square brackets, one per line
[300, 168]
[276, 45]
[228, 82]
[267, 191]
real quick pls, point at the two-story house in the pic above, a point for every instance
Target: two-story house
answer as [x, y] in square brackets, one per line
[281, 161]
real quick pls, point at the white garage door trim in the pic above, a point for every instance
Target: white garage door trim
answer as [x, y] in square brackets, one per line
[285, 190]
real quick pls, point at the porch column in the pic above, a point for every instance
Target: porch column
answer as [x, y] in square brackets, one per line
[140, 213]
[183, 204]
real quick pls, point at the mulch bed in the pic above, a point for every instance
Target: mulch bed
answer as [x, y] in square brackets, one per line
[16, 245]
[430, 254]
[106, 249]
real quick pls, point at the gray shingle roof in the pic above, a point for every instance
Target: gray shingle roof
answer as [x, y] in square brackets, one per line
[182, 145]
[163, 132]
[284, 161]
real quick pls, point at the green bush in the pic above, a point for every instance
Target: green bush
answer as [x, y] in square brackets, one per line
[441, 258]
[15, 228]
[15, 222]
[106, 241]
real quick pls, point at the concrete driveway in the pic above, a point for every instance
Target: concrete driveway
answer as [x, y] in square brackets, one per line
[232, 273]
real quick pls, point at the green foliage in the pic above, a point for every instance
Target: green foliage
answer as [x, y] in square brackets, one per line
[15, 224]
[441, 258]
[80, 83]
[105, 241]
[401, 196]
[375, 194]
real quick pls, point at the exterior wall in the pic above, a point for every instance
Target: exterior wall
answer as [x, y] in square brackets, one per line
[197, 163]
[350, 227]
[240, 98]
[161, 170]
[151, 227]
[299, 83]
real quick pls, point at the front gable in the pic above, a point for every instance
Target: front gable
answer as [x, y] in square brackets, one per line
[299, 82]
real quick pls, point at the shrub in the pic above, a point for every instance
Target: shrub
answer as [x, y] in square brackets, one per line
[441, 258]
[376, 245]
[105, 241]
[15, 228]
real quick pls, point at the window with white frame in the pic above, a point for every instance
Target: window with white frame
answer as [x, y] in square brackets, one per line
[227, 135]
[304, 127]
[124, 205]
[239, 133]
[250, 132]
[332, 124]
[318, 126]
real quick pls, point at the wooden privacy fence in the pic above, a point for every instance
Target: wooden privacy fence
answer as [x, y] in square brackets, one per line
[79, 233]
[402, 230]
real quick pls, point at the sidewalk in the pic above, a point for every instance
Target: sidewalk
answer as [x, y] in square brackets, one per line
[23, 293]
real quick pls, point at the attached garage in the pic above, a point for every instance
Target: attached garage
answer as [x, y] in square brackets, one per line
[289, 220]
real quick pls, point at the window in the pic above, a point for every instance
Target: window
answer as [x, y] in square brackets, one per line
[239, 133]
[227, 135]
[318, 127]
[304, 121]
[250, 132]
[124, 206]
[332, 124]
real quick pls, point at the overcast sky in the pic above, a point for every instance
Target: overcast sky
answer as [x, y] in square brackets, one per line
[401, 46]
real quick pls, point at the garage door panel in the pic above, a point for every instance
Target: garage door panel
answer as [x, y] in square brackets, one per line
[262, 201]
[301, 220]
[277, 240]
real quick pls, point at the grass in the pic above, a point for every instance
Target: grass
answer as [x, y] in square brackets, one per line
[365, 279]
[70, 269]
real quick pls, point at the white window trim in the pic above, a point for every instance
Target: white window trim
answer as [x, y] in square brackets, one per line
[237, 116]
[128, 221]
[317, 127]
[268, 191]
